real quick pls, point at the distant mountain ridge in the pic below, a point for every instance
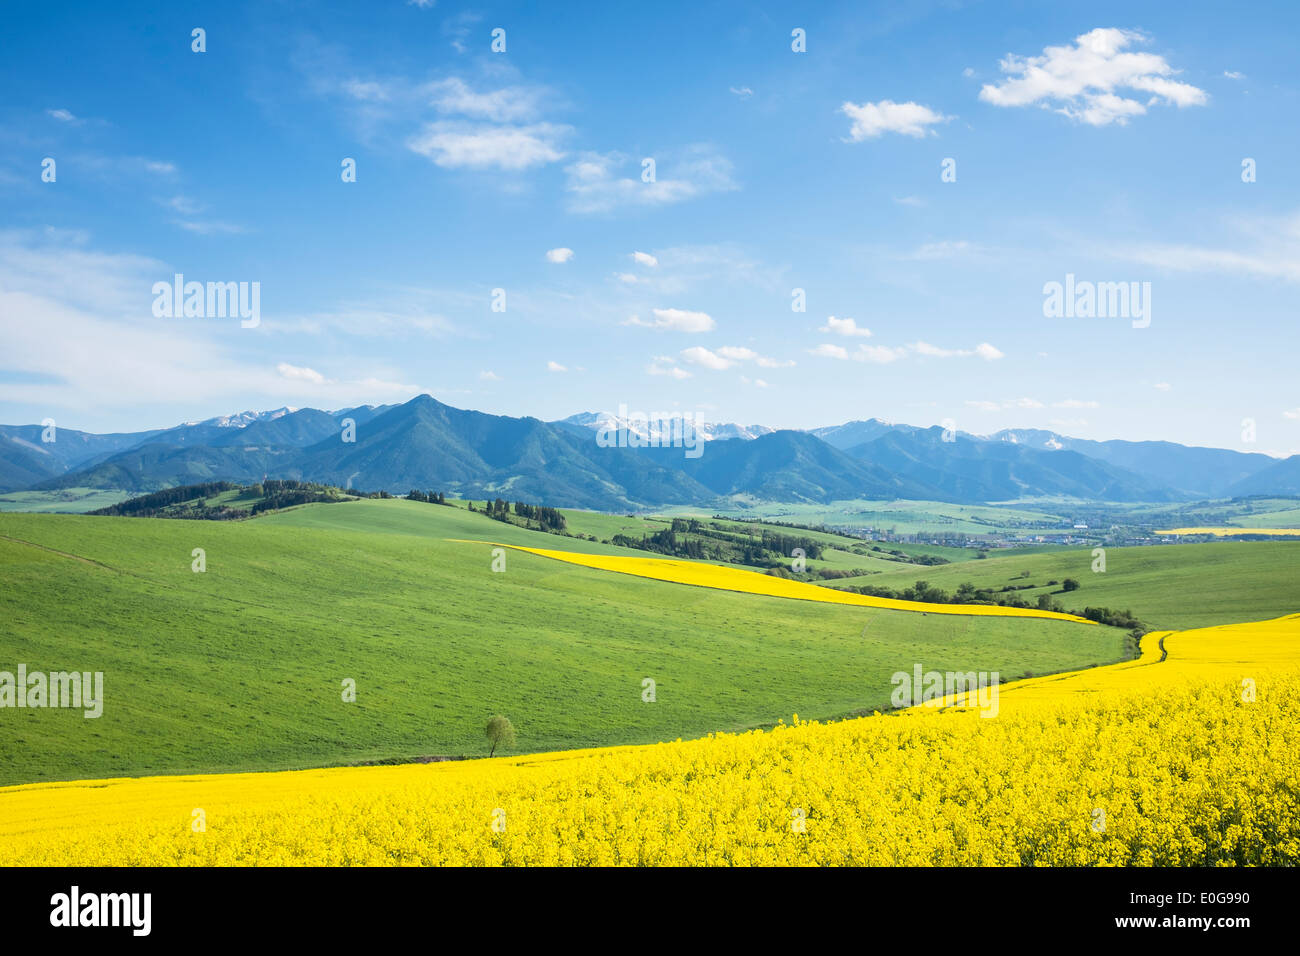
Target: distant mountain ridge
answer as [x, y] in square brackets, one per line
[426, 444]
[708, 431]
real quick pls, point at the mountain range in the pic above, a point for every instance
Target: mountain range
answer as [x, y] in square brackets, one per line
[426, 444]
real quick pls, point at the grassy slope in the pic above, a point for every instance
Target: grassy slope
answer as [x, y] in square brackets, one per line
[67, 500]
[239, 668]
[1167, 586]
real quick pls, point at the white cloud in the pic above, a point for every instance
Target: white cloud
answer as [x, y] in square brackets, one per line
[1162, 386]
[677, 320]
[555, 367]
[367, 91]
[984, 350]
[826, 350]
[111, 353]
[184, 205]
[844, 327]
[663, 365]
[878, 354]
[210, 227]
[456, 144]
[190, 208]
[493, 127]
[509, 104]
[1080, 80]
[63, 116]
[986, 406]
[1075, 403]
[909, 201]
[645, 259]
[728, 356]
[1234, 75]
[596, 182]
[1266, 247]
[742, 91]
[872, 119]
[562, 254]
[699, 355]
[882, 354]
[397, 316]
[300, 373]
[489, 376]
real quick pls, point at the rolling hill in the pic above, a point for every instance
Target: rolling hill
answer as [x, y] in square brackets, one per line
[254, 650]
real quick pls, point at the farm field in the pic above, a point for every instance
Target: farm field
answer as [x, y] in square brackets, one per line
[736, 579]
[1226, 532]
[1080, 769]
[901, 517]
[1165, 586]
[240, 667]
[66, 501]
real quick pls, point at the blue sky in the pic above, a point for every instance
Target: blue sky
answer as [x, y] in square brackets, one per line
[1103, 140]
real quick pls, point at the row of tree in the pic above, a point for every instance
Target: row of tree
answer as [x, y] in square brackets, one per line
[548, 519]
[432, 497]
[147, 506]
[968, 593]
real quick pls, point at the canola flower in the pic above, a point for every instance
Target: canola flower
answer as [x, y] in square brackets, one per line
[1166, 762]
[722, 578]
[1228, 532]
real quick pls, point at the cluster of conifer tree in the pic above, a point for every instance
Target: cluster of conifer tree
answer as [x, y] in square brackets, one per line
[432, 497]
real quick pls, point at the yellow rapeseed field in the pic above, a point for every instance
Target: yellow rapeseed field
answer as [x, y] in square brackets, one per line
[1226, 532]
[1189, 760]
[724, 578]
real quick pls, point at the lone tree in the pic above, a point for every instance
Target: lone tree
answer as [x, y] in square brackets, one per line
[500, 731]
[1069, 584]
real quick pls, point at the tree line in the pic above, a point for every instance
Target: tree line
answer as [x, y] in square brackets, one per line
[548, 519]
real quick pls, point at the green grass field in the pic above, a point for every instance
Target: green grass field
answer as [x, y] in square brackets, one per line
[241, 667]
[1166, 586]
[901, 517]
[66, 501]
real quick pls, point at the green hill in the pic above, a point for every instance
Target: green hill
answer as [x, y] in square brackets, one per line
[241, 667]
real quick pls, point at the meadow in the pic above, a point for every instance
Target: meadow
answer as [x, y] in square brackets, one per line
[241, 667]
[1157, 762]
[1165, 586]
[900, 517]
[65, 501]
